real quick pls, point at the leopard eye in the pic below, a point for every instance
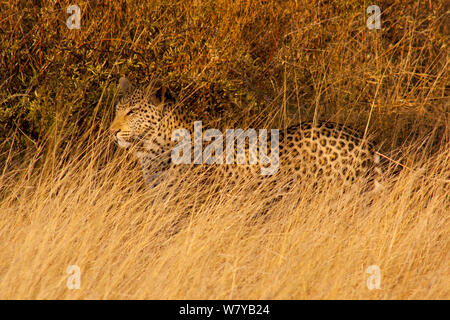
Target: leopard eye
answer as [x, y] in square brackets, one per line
[130, 112]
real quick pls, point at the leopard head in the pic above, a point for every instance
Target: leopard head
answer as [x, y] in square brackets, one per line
[138, 112]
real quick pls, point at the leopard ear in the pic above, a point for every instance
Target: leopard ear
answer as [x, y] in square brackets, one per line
[124, 85]
[162, 95]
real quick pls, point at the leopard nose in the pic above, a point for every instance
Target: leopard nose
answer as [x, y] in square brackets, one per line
[114, 132]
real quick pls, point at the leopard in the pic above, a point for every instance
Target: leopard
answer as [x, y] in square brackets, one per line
[146, 118]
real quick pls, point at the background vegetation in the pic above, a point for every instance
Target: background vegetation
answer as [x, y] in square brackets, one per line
[68, 196]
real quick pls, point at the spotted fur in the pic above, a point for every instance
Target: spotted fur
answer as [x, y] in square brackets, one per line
[146, 118]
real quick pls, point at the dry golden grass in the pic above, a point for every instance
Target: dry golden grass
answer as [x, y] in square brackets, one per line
[90, 211]
[69, 197]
